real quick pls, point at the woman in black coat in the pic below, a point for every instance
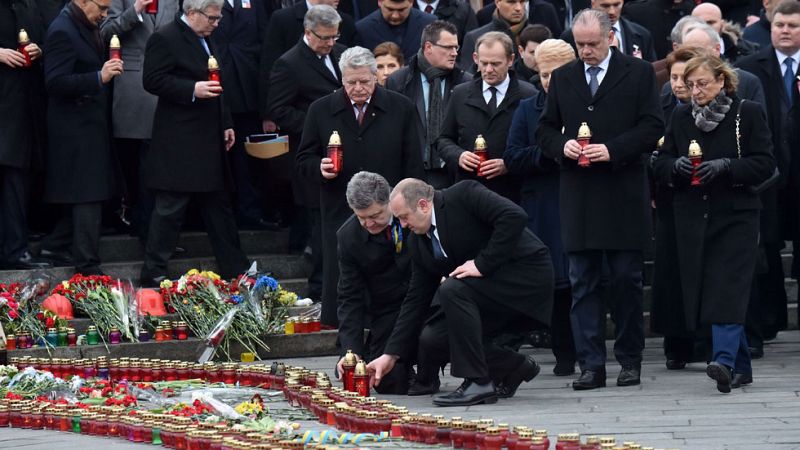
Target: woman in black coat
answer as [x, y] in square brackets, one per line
[716, 221]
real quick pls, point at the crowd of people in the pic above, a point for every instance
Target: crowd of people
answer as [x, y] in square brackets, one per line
[503, 167]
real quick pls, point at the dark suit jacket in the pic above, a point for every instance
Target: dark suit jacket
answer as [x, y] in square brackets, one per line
[238, 40]
[358, 9]
[604, 206]
[79, 161]
[408, 82]
[658, 17]
[187, 131]
[457, 12]
[476, 224]
[468, 116]
[373, 30]
[373, 279]
[632, 34]
[539, 11]
[284, 30]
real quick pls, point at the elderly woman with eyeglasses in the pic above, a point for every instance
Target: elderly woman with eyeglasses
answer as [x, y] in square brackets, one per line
[716, 210]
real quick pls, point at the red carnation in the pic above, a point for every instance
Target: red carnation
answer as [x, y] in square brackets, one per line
[50, 323]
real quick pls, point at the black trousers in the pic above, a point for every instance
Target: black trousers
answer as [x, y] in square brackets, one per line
[561, 328]
[380, 329]
[165, 227]
[13, 214]
[588, 309]
[78, 231]
[137, 199]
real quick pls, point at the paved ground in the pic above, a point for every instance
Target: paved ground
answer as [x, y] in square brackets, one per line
[680, 409]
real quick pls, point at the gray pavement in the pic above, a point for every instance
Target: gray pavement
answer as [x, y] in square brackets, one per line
[671, 409]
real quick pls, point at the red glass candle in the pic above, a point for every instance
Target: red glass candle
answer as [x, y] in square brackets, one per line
[336, 155]
[443, 433]
[152, 8]
[543, 435]
[114, 50]
[696, 157]
[229, 374]
[584, 137]
[11, 342]
[213, 69]
[183, 371]
[492, 439]
[457, 434]
[5, 416]
[469, 435]
[523, 441]
[481, 152]
[349, 366]
[361, 379]
[182, 331]
[24, 41]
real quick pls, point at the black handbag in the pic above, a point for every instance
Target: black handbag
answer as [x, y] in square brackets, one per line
[776, 174]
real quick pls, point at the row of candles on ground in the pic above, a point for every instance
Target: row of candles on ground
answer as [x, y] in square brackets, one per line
[297, 325]
[67, 337]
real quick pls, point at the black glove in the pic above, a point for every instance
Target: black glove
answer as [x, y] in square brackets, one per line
[683, 167]
[707, 171]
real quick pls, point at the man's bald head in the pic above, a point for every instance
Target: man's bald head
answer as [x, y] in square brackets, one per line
[710, 14]
[703, 37]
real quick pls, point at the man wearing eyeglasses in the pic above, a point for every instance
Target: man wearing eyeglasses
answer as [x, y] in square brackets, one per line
[80, 167]
[192, 131]
[428, 81]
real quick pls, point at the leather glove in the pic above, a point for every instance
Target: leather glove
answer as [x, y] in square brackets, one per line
[683, 167]
[708, 171]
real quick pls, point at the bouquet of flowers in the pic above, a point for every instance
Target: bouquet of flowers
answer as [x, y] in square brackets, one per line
[20, 308]
[9, 306]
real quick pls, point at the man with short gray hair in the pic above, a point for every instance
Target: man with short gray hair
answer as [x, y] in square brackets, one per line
[374, 271]
[377, 131]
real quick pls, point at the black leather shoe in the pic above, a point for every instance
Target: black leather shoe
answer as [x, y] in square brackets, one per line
[721, 374]
[740, 379]
[756, 352]
[59, 259]
[421, 387]
[590, 379]
[630, 375]
[524, 372]
[28, 262]
[468, 394]
[564, 368]
[154, 282]
[675, 364]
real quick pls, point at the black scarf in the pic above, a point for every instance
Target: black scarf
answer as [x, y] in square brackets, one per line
[436, 111]
[709, 116]
[79, 16]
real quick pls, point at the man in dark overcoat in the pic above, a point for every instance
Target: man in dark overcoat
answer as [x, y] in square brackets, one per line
[473, 257]
[432, 66]
[604, 207]
[81, 168]
[457, 12]
[191, 132]
[485, 107]
[780, 216]
[308, 71]
[633, 39]
[395, 21]
[378, 134]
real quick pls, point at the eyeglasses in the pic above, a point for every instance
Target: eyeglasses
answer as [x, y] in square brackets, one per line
[102, 8]
[334, 37]
[449, 48]
[211, 19]
[699, 84]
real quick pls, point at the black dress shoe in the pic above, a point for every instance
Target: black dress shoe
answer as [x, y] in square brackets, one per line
[524, 372]
[630, 375]
[28, 262]
[740, 379]
[564, 368]
[590, 379]
[422, 387]
[675, 364]
[468, 394]
[721, 374]
[756, 352]
[155, 282]
[57, 258]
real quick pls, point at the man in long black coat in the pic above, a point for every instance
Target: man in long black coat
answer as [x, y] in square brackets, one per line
[378, 134]
[82, 171]
[192, 130]
[604, 207]
[498, 277]
[485, 106]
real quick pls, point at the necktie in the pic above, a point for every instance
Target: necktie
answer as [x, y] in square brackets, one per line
[429, 8]
[593, 82]
[493, 100]
[360, 115]
[438, 253]
[204, 44]
[788, 77]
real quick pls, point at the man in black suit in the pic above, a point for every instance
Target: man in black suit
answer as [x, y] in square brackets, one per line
[374, 270]
[485, 106]
[378, 134]
[308, 71]
[777, 68]
[192, 130]
[604, 207]
[457, 12]
[428, 80]
[633, 39]
[394, 21]
[543, 12]
[659, 18]
[498, 277]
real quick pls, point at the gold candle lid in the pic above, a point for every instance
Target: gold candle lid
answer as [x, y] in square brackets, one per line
[361, 368]
[694, 149]
[349, 357]
[660, 142]
[114, 42]
[22, 37]
[335, 139]
[212, 63]
[480, 143]
[584, 131]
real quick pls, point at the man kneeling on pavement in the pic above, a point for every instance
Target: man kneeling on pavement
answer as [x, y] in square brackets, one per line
[477, 273]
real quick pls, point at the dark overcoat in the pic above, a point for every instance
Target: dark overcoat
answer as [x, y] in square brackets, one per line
[717, 225]
[468, 116]
[79, 162]
[632, 34]
[374, 29]
[187, 152]
[605, 206]
[475, 223]
[457, 12]
[386, 143]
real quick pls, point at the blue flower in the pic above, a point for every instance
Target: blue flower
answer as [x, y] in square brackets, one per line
[266, 282]
[237, 299]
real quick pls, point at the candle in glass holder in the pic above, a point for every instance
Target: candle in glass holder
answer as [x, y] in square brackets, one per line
[114, 48]
[481, 151]
[152, 7]
[11, 342]
[92, 336]
[696, 157]
[114, 336]
[349, 365]
[213, 69]
[584, 137]
[24, 41]
[182, 331]
[361, 379]
[335, 154]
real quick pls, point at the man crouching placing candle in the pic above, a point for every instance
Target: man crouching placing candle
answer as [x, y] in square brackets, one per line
[473, 256]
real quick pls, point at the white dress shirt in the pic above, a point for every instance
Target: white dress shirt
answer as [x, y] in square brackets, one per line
[501, 91]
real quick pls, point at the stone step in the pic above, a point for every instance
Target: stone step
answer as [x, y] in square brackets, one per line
[786, 260]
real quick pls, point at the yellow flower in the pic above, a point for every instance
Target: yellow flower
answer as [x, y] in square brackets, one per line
[192, 272]
[65, 284]
[210, 275]
[249, 408]
[166, 284]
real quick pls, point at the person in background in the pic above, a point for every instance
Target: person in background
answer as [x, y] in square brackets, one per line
[529, 39]
[389, 58]
[395, 21]
[457, 12]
